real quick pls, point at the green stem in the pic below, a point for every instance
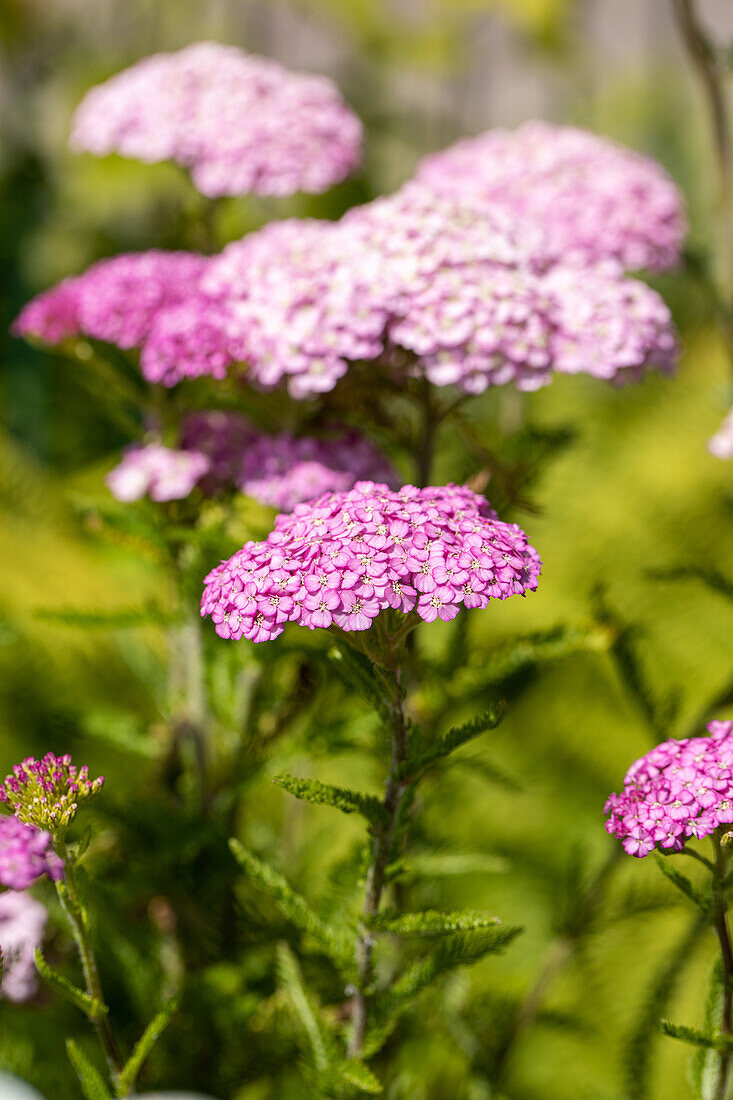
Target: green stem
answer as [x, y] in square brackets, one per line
[68, 892]
[426, 448]
[720, 923]
[394, 795]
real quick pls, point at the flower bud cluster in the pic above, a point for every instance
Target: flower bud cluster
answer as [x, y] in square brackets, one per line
[46, 793]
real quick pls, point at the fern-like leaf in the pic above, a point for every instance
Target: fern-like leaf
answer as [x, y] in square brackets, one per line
[348, 801]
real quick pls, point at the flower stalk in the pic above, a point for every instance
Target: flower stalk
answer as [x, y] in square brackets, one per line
[720, 923]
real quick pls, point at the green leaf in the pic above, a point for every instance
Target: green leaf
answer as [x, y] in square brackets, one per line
[349, 802]
[637, 1059]
[432, 923]
[542, 647]
[121, 618]
[684, 885]
[355, 1073]
[291, 979]
[146, 1042]
[333, 942]
[460, 949]
[91, 1081]
[454, 738]
[447, 864]
[90, 1007]
[696, 1038]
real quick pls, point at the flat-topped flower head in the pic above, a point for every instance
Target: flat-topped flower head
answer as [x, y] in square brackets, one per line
[595, 199]
[681, 789]
[52, 316]
[465, 290]
[25, 855]
[47, 793]
[345, 557]
[239, 123]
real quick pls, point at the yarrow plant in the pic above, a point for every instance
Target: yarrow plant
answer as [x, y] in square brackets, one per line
[47, 793]
[22, 924]
[346, 557]
[679, 792]
[594, 199]
[239, 123]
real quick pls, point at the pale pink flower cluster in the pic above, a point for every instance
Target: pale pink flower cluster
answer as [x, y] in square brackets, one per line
[26, 855]
[158, 472]
[282, 470]
[22, 924]
[721, 444]
[681, 789]
[239, 123]
[223, 451]
[594, 199]
[344, 558]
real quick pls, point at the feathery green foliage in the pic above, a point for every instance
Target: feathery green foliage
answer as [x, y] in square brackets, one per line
[91, 1008]
[683, 884]
[91, 1081]
[349, 802]
[146, 1042]
[429, 922]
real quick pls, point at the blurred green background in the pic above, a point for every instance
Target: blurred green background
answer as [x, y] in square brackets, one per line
[635, 492]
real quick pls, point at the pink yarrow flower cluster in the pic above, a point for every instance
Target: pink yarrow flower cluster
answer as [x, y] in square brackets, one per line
[25, 855]
[115, 300]
[346, 557]
[679, 790]
[22, 925]
[595, 199]
[239, 123]
[47, 793]
[721, 444]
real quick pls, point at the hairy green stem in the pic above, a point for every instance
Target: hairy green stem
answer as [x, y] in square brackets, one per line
[68, 892]
[394, 795]
[720, 923]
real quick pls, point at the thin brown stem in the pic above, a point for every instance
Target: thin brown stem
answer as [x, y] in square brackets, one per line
[704, 58]
[394, 794]
[68, 892]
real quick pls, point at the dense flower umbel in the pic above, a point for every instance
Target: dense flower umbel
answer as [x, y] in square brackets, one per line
[47, 792]
[238, 122]
[342, 559]
[25, 855]
[680, 789]
[594, 199]
[721, 444]
[158, 472]
[22, 924]
[462, 288]
[116, 300]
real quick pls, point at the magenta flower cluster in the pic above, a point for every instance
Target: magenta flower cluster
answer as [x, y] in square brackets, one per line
[46, 793]
[239, 123]
[25, 855]
[595, 199]
[343, 559]
[22, 924]
[681, 789]
[721, 444]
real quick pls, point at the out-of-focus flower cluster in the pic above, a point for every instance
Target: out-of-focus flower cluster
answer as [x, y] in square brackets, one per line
[239, 123]
[224, 451]
[680, 789]
[346, 557]
[22, 924]
[721, 444]
[47, 792]
[594, 199]
[25, 855]
[158, 472]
